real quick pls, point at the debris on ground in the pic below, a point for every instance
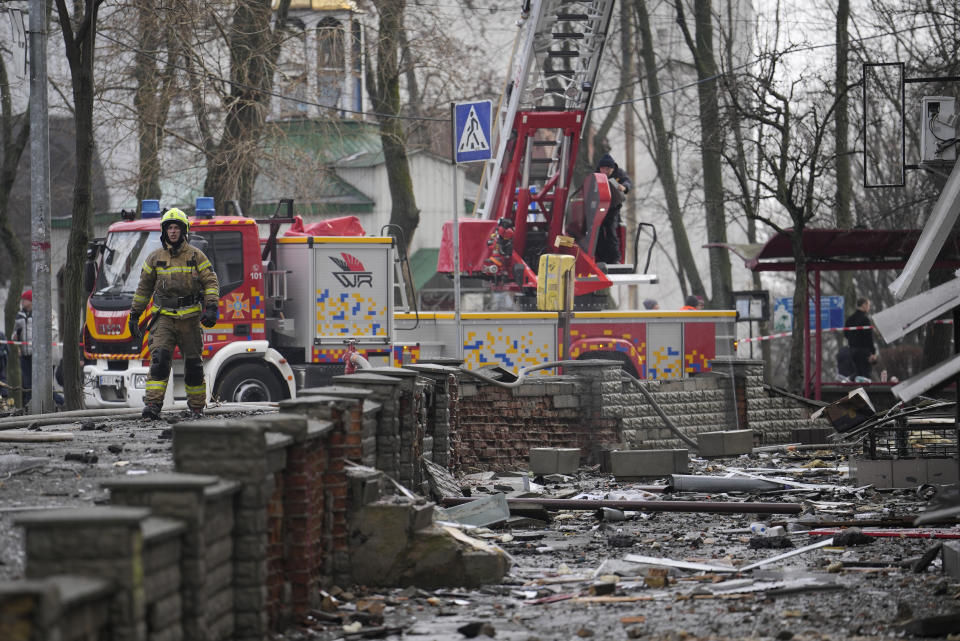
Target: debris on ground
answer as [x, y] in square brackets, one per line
[589, 561]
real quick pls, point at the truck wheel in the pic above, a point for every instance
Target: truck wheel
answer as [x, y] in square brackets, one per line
[612, 356]
[249, 383]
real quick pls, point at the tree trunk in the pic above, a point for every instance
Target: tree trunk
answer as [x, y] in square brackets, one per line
[795, 371]
[844, 188]
[79, 44]
[152, 97]
[14, 142]
[662, 154]
[254, 48]
[385, 95]
[712, 133]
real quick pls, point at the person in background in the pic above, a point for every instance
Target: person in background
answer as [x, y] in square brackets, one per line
[862, 349]
[691, 303]
[846, 369]
[651, 304]
[608, 242]
[3, 370]
[23, 333]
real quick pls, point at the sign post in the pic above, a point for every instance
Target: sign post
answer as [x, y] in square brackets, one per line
[470, 123]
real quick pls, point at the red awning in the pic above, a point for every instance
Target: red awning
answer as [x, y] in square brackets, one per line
[842, 249]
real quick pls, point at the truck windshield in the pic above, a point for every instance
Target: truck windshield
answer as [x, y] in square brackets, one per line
[124, 256]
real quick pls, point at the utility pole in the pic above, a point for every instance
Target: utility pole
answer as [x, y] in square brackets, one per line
[626, 42]
[41, 400]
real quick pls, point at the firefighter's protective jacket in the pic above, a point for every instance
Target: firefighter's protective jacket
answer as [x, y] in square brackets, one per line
[181, 281]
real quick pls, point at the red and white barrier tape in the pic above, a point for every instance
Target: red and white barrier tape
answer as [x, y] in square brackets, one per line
[825, 329]
[812, 332]
[25, 343]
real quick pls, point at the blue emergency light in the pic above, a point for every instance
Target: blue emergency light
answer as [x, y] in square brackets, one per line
[150, 209]
[204, 207]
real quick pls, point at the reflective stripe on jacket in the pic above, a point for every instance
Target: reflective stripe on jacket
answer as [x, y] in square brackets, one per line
[181, 282]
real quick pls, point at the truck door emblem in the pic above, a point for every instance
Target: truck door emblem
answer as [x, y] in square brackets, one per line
[238, 306]
[352, 273]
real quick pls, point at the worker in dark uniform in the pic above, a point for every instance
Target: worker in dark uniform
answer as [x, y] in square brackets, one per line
[862, 349]
[23, 334]
[184, 288]
[3, 371]
[608, 243]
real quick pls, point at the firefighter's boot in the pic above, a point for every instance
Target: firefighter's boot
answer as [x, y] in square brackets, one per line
[151, 411]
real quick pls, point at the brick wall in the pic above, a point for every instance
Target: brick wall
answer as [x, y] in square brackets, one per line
[496, 426]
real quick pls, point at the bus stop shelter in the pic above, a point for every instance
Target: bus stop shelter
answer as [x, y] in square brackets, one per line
[829, 250]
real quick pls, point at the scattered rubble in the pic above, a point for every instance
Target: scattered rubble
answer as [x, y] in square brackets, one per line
[581, 554]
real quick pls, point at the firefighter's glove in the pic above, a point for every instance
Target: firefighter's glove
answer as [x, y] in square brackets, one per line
[134, 324]
[209, 317]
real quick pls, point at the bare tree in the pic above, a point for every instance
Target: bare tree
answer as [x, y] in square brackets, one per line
[154, 72]
[744, 166]
[712, 133]
[796, 117]
[254, 47]
[15, 134]
[662, 152]
[383, 85]
[79, 32]
[844, 194]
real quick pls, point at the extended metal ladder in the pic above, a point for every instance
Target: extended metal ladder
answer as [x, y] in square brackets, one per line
[555, 70]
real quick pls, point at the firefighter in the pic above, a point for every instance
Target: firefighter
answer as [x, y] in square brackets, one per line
[608, 240]
[184, 288]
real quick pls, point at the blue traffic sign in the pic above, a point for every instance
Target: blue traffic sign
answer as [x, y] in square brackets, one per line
[471, 131]
[831, 313]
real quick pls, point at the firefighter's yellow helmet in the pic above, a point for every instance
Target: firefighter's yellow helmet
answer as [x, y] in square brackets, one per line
[175, 216]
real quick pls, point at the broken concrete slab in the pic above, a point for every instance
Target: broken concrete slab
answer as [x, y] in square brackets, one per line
[725, 443]
[442, 482]
[904, 472]
[951, 558]
[480, 512]
[554, 460]
[639, 464]
[397, 545]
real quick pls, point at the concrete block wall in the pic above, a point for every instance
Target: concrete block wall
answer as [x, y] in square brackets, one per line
[439, 395]
[231, 553]
[385, 391]
[204, 505]
[695, 406]
[732, 397]
[410, 415]
[58, 607]
[162, 581]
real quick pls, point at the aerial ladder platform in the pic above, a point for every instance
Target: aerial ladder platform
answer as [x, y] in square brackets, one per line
[525, 209]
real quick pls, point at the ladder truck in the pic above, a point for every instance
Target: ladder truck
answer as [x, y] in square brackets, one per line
[527, 208]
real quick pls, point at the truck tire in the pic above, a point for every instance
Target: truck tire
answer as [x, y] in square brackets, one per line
[612, 356]
[249, 383]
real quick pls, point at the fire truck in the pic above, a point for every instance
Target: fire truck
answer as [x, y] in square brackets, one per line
[294, 304]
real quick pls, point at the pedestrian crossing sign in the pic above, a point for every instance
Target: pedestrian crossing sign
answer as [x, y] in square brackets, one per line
[471, 131]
